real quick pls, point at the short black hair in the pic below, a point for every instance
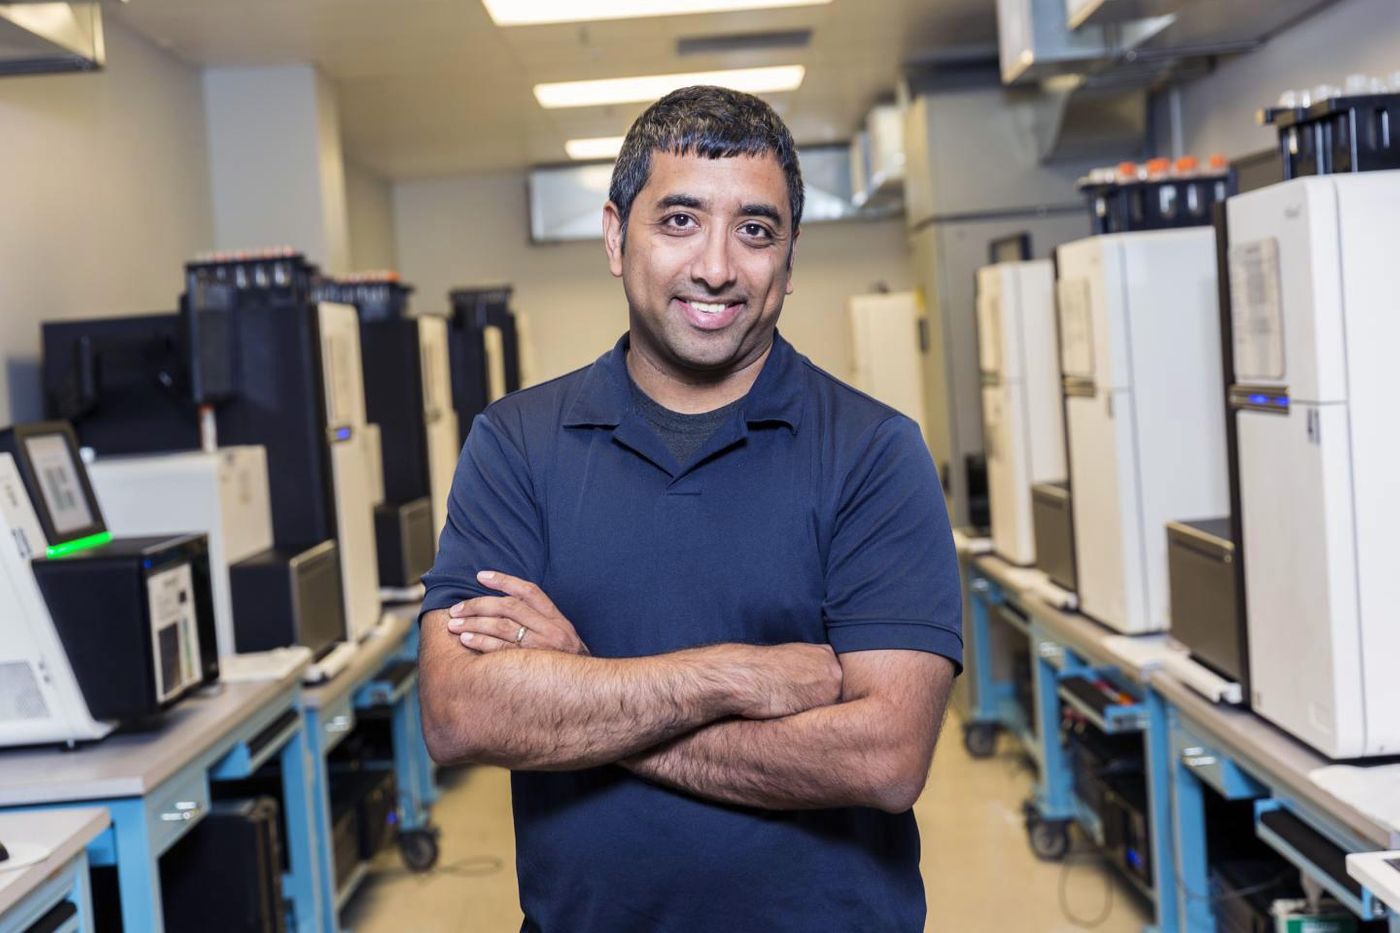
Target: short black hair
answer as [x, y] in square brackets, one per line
[711, 122]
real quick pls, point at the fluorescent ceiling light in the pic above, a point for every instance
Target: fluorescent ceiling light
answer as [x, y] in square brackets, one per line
[602, 147]
[650, 87]
[535, 12]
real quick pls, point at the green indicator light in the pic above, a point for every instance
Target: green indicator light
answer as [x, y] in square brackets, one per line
[78, 544]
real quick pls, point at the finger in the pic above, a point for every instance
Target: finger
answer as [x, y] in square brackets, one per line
[494, 626]
[483, 644]
[477, 606]
[529, 593]
[505, 607]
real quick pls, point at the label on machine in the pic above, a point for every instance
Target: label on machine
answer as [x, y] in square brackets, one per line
[1256, 310]
[1076, 328]
[175, 633]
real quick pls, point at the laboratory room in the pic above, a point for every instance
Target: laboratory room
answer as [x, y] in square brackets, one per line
[699, 466]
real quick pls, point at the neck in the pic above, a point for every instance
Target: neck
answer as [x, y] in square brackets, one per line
[692, 393]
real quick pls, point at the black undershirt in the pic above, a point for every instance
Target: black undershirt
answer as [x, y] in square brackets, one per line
[682, 434]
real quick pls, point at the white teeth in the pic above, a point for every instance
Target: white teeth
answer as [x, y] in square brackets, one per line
[708, 308]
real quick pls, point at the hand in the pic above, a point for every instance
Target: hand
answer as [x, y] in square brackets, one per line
[791, 679]
[491, 623]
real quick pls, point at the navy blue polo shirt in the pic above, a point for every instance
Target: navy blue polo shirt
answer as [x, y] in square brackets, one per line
[813, 514]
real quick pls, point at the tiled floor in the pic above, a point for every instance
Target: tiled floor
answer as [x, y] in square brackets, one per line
[978, 870]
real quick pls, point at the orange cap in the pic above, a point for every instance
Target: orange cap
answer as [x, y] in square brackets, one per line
[1158, 166]
[1218, 162]
[1187, 164]
[1128, 168]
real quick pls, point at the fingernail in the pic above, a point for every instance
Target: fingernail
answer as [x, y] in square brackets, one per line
[486, 576]
[469, 636]
[454, 624]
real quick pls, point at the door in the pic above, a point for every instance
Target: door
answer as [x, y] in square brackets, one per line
[888, 358]
[1300, 574]
[1107, 523]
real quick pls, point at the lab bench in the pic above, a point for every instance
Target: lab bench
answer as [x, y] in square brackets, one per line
[1102, 676]
[157, 786]
[382, 680]
[1120, 685]
[1243, 757]
[44, 883]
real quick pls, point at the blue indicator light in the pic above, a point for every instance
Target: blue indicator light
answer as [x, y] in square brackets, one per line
[342, 434]
[1259, 399]
[1134, 859]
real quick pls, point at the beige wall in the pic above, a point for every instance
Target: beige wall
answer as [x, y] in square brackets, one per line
[473, 230]
[1348, 36]
[105, 194]
[369, 202]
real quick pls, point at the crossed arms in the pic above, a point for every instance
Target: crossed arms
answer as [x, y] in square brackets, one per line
[778, 727]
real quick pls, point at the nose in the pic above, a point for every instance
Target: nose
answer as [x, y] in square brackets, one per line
[712, 265]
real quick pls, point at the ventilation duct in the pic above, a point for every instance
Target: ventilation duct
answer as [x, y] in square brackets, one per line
[36, 38]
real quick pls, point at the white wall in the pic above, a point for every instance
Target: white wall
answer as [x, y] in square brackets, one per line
[1349, 36]
[369, 202]
[474, 230]
[105, 195]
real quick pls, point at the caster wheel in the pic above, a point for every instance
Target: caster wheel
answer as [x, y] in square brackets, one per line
[1049, 840]
[980, 739]
[419, 849]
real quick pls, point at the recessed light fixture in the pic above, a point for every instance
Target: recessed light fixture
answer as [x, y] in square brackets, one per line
[536, 12]
[601, 147]
[649, 87]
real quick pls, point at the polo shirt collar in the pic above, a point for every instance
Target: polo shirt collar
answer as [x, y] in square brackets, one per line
[605, 396]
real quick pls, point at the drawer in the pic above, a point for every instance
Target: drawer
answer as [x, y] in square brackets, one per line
[336, 722]
[1212, 766]
[175, 807]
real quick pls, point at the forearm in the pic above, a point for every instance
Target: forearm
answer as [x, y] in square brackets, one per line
[871, 750]
[834, 756]
[546, 710]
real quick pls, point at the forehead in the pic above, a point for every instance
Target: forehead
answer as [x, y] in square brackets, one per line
[742, 179]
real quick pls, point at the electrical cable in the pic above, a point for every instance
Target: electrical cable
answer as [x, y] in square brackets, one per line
[1085, 923]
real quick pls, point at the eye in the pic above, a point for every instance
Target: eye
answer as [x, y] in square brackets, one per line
[679, 222]
[756, 231]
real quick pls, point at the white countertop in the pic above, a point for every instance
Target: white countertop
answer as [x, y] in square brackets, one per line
[62, 833]
[133, 764]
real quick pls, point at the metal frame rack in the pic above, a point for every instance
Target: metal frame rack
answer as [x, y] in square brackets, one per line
[1119, 684]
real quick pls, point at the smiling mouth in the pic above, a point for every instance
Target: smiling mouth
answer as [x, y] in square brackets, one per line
[710, 307]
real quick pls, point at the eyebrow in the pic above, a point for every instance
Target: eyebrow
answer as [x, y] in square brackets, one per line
[683, 200]
[766, 211]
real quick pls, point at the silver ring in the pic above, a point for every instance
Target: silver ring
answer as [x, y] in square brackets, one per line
[520, 636]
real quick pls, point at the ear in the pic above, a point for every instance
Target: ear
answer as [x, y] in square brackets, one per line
[612, 238]
[792, 258]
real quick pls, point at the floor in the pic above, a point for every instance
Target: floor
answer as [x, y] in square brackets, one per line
[978, 870]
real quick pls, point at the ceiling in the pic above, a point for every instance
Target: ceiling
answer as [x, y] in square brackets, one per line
[433, 87]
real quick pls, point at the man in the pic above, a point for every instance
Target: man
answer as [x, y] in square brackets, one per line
[699, 596]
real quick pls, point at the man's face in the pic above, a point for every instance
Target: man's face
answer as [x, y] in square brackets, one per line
[706, 264]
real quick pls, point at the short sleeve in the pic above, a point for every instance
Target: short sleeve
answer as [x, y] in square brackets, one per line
[493, 522]
[892, 570]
